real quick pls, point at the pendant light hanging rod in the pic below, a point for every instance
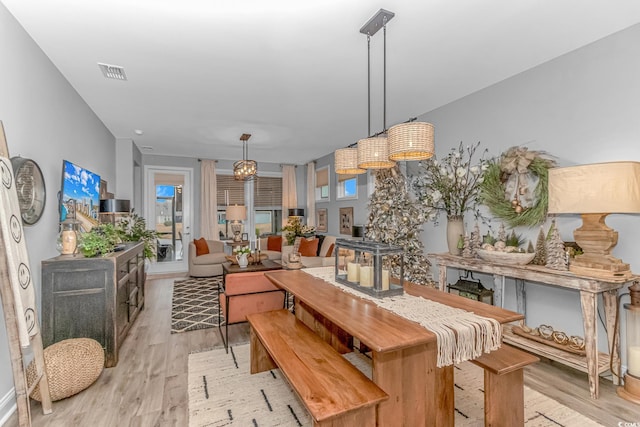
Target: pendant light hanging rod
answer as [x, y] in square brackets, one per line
[384, 74]
[368, 84]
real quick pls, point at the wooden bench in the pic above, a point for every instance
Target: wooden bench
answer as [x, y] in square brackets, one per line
[504, 385]
[334, 391]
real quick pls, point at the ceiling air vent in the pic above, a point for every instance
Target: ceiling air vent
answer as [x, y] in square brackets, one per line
[112, 71]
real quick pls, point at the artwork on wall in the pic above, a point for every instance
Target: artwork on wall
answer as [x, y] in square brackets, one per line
[346, 220]
[321, 220]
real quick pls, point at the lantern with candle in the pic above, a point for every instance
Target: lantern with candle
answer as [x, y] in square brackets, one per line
[368, 272]
[631, 389]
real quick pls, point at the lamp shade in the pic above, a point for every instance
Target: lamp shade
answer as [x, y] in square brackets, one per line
[373, 153]
[346, 161]
[595, 188]
[236, 213]
[411, 141]
[296, 212]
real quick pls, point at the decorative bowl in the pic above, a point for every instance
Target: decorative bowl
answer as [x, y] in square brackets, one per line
[517, 258]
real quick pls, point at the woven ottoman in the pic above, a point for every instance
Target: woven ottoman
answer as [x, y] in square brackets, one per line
[72, 365]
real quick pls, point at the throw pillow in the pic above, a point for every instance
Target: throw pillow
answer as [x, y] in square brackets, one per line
[330, 250]
[308, 247]
[320, 239]
[201, 246]
[274, 243]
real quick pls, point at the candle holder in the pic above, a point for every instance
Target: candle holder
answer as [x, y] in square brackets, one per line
[631, 389]
[366, 272]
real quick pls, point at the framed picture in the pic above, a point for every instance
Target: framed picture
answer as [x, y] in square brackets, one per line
[346, 220]
[321, 220]
[245, 236]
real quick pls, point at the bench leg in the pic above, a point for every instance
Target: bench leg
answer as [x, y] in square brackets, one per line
[504, 399]
[260, 359]
[362, 417]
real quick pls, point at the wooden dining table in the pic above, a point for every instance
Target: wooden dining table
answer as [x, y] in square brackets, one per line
[404, 353]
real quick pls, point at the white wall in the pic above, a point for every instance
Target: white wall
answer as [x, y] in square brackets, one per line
[583, 107]
[45, 120]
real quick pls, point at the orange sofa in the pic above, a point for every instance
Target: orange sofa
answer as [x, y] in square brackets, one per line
[246, 293]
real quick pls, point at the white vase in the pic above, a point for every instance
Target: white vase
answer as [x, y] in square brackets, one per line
[455, 229]
[242, 260]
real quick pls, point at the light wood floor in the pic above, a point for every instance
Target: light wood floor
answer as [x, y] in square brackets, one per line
[148, 387]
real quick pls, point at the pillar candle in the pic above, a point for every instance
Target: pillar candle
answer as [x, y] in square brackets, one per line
[258, 243]
[366, 276]
[353, 272]
[385, 280]
[633, 364]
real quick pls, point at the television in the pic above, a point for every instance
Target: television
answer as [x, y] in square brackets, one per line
[80, 195]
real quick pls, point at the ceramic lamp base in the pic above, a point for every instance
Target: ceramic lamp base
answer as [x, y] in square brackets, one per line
[631, 389]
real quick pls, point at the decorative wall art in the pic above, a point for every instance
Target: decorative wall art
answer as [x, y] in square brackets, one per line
[321, 220]
[346, 220]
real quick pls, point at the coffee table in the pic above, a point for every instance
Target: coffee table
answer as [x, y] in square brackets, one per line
[265, 265]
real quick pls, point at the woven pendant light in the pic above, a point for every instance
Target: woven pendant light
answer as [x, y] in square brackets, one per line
[411, 141]
[373, 153]
[346, 162]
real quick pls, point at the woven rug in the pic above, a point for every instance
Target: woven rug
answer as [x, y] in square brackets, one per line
[194, 304]
[223, 393]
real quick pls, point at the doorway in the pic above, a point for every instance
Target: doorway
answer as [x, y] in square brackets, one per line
[168, 196]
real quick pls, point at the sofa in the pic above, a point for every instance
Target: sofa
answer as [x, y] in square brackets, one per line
[206, 258]
[323, 257]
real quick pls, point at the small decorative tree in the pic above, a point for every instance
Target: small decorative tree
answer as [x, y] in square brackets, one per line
[541, 249]
[467, 250]
[396, 219]
[556, 255]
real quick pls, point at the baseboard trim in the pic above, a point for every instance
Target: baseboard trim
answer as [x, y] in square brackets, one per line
[7, 406]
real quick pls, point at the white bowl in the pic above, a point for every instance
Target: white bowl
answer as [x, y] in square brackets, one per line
[517, 258]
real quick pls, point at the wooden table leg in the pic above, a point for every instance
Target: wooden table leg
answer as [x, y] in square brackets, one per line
[498, 290]
[611, 308]
[442, 278]
[589, 304]
[409, 378]
[521, 297]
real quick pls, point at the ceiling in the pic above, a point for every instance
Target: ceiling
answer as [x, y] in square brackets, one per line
[293, 73]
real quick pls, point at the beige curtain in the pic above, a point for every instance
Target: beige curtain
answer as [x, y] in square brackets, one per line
[311, 193]
[289, 192]
[208, 200]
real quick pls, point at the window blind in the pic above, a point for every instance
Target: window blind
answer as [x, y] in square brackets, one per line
[322, 177]
[267, 192]
[228, 185]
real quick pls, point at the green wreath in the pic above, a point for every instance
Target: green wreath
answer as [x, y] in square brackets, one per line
[492, 194]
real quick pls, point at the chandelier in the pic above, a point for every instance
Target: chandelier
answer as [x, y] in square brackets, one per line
[410, 140]
[245, 170]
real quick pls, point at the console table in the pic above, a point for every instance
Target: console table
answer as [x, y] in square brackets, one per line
[595, 362]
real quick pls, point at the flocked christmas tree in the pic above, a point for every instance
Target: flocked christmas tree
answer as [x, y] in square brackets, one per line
[467, 251]
[475, 240]
[541, 249]
[396, 219]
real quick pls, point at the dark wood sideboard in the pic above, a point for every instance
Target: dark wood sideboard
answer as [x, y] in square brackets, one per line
[97, 298]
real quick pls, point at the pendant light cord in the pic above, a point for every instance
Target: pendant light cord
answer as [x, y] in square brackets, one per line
[384, 74]
[368, 85]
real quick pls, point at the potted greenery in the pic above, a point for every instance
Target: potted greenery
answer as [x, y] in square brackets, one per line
[103, 238]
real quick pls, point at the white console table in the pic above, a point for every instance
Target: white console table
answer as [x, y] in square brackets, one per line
[595, 362]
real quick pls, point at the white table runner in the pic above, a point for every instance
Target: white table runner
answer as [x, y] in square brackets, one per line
[461, 335]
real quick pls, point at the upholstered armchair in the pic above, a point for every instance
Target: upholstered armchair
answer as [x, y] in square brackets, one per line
[246, 293]
[206, 259]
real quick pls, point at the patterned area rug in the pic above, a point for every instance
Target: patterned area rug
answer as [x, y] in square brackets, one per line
[195, 304]
[223, 393]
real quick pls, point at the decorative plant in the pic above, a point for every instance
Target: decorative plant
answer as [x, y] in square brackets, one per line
[134, 229]
[101, 240]
[451, 185]
[295, 228]
[242, 250]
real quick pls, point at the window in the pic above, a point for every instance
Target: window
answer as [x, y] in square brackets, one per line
[347, 187]
[267, 201]
[322, 184]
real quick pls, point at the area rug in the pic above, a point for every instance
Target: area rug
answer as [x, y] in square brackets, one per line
[195, 304]
[223, 393]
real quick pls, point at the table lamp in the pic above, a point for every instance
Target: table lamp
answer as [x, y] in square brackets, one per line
[631, 389]
[594, 191]
[296, 212]
[236, 214]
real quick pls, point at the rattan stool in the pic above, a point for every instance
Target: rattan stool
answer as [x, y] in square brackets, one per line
[72, 365]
